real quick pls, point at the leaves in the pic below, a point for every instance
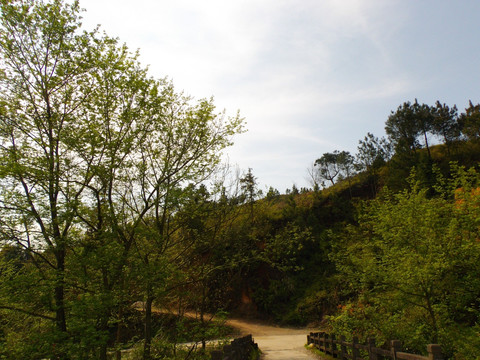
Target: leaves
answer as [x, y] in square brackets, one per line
[94, 154]
[417, 256]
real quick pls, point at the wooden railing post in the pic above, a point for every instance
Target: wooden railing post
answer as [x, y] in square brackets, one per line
[395, 346]
[434, 352]
[371, 345]
[355, 352]
[343, 348]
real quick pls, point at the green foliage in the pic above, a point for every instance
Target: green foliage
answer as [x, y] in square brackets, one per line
[413, 263]
[282, 252]
[104, 204]
[410, 122]
[95, 155]
[181, 337]
[470, 121]
[446, 123]
[372, 152]
[333, 165]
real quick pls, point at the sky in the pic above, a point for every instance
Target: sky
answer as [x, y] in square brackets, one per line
[309, 76]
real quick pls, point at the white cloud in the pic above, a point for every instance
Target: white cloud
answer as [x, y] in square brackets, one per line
[297, 70]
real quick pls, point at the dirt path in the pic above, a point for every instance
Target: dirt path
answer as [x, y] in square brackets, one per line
[276, 343]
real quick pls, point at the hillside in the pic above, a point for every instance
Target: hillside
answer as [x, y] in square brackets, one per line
[398, 262]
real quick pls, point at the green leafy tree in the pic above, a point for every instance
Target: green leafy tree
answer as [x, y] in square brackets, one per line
[153, 140]
[120, 119]
[411, 262]
[327, 167]
[165, 142]
[372, 152]
[346, 163]
[445, 123]
[406, 127]
[250, 191]
[371, 155]
[410, 122]
[91, 148]
[206, 225]
[47, 66]
[334, 164]
[402, 128]
[470, 121]
[272, 193]
[425, 119]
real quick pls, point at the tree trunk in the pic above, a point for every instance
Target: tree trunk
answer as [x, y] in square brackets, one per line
[202, 316]
[426, 144]
[104, 346]
[59, 298]
[118, 352]
[433, 318]
[60, 316]
[104, 316]
[148, 324]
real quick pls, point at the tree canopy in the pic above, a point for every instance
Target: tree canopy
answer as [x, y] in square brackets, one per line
[410, 262]
[92, 148]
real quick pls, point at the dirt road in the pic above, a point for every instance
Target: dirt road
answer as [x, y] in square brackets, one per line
[276, 343]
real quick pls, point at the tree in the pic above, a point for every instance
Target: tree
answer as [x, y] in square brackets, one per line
[470, 121]
[47, 67]
[212, 262]
[346, 164]
[272, 193]
[248, 184]
[402, 128]
[154, 143]
[372, 154]
[410, 261]
[405, 128]
[445, 123]
[93, 150]
[331, 165]
[120, 121]
[327, 166]
[425, 119]
[338, 165]
[250, 192]
[313, 177]
[405, 125]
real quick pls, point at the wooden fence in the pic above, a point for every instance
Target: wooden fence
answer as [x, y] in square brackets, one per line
[239, 349]
[341, 349]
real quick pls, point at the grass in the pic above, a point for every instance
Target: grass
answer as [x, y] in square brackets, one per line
[319, 353]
